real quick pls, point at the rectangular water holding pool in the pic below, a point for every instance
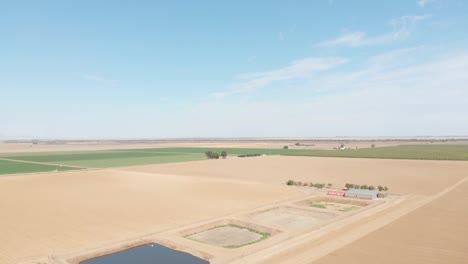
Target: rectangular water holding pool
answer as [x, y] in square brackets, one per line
[147, 254]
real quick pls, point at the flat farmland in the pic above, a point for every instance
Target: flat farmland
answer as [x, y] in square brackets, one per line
[14, 167]
[68, 213]
[401, 176]
[435, 233]
[136, 157]
[104, 159]
[422, 152]
[56, 213]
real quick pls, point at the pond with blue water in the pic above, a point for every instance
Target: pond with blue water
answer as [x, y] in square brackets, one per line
[147, 254]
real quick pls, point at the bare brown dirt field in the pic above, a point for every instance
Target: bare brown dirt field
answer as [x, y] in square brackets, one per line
[435, 233]
[290, 217]
[68, 213]
[267, 144]
[29, 147]
[401, 176]
[58, 213]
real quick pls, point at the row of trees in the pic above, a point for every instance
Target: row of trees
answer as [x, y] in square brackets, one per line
[365, 187]
[316, 185]
[216, 155]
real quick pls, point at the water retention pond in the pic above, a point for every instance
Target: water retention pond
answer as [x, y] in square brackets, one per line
[147, 254]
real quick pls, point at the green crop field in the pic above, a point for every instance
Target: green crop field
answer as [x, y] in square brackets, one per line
[231, 151]
[104, 159]
[425, 152]
[133, 157]
[421, 152]
[13, 167]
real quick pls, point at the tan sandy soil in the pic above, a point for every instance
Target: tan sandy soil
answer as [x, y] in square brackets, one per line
[62, 212]
[28, 147]
[401, 176]
[273, 144]
[290, 217]
[435, 233]
[310, 248]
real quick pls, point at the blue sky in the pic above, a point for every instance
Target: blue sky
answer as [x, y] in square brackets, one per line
[170, 69]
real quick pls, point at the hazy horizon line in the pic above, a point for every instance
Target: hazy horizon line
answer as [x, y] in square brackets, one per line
[239, 138]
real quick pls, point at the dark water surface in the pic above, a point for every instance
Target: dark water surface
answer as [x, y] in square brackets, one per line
[147, 254]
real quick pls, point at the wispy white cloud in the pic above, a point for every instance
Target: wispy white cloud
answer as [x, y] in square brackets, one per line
[280, 36]
[399, 98]
[402, 28]
[423, 3]
[297, 69]
[393, 58]
[350, 39]
[100, 80]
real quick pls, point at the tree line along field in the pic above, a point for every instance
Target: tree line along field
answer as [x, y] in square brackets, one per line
[133, 157]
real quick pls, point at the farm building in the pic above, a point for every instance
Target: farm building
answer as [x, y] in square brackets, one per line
[361, 194]
[381, 195]
[336, 193]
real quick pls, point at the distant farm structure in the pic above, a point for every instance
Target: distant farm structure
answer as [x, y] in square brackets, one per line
[250, 155]
[361, 194]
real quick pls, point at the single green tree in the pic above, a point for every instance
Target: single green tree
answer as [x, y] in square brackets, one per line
[224, 154]
[285, 147]
[290, 182]
[209, 154]
[371, 188]
[364, 187]
[380, 188]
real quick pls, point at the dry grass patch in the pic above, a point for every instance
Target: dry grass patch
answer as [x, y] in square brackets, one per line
[334, 203]
[229, 233]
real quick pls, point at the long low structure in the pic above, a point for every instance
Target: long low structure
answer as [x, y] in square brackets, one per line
[336, 193]
[361, 194]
